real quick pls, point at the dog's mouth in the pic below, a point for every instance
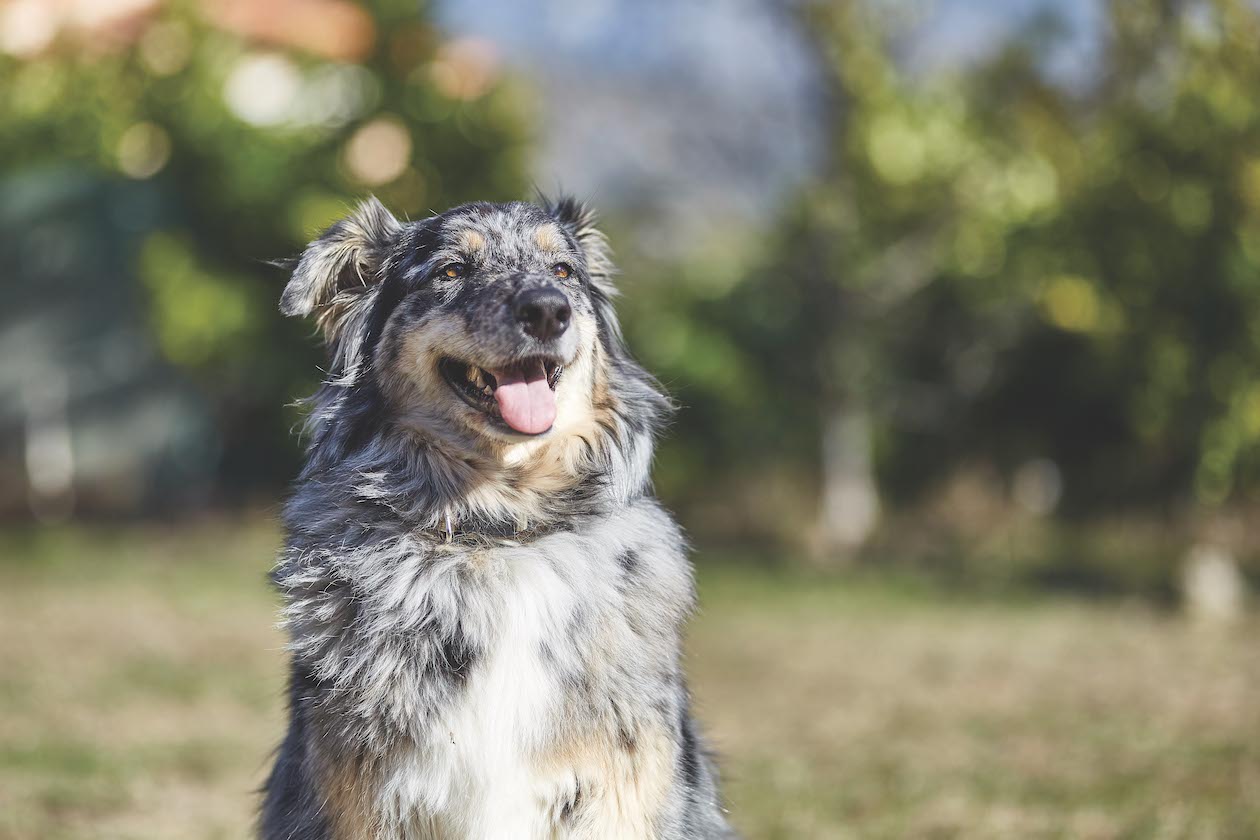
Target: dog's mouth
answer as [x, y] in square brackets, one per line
[522, 395]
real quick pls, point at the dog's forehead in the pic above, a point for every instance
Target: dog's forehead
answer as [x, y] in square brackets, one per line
[503, 231]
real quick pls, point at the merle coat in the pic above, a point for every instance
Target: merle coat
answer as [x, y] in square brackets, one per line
[485, 627]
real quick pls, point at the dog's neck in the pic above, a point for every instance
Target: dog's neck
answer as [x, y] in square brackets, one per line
[511, 490]
[435, 485]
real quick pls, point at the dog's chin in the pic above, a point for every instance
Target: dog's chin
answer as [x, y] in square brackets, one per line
[511, 402]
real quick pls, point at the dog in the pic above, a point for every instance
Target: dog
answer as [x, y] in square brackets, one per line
[484, 602]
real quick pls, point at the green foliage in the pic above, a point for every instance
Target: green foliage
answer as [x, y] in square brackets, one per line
[994, 270]
[999, 269]
[250, 150]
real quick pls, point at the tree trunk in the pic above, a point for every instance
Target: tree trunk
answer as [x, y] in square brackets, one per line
[850, 500]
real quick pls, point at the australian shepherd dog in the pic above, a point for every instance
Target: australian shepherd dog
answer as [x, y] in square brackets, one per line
[484, 602]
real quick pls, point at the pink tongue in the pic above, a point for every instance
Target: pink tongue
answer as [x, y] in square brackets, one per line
[526, 401]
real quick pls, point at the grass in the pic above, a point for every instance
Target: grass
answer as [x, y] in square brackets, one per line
[141, 677]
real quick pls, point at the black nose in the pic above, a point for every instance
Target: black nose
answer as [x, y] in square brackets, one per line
[543, 312]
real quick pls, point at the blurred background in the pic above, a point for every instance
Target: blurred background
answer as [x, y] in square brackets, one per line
[960, 301]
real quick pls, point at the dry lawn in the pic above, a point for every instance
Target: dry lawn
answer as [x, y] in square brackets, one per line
[141, 679]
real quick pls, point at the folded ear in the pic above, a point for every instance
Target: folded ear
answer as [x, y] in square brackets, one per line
[339, 268]
[579, 220]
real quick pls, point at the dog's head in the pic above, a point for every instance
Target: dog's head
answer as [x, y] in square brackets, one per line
[489, 326]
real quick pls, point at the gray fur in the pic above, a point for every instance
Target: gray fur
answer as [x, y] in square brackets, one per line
[429, 563]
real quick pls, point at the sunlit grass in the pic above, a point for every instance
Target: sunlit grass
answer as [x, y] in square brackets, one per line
[141, 694]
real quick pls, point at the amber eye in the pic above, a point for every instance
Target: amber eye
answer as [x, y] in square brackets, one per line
[455, 270]
[561, 270]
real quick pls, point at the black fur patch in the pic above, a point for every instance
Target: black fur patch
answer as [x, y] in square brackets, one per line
[628, 560]
[571, 806]
[459, 658]
[292, 807]
[627, 741]
[689, 758]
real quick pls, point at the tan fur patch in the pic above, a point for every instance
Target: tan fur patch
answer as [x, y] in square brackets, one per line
[601, 396]
[622, 778]
[549, 238]
[344, 789]
[471, 241]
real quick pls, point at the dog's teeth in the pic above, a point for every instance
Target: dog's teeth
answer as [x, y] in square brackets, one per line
[478, 377]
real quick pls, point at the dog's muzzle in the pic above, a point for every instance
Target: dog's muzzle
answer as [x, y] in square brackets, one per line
[516, 384]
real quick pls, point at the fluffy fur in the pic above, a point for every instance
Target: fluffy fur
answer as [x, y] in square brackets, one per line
[485, 626]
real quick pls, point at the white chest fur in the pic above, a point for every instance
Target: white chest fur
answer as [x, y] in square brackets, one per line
[475, 779]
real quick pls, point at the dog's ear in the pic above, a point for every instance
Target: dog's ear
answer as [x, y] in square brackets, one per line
[338, 269]
[579, 220]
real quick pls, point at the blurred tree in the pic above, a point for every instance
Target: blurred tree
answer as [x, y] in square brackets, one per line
[1138, 376]
[925, 186]
[1020, 274]
[1059, 285]
[1056, 283]
[253, 126]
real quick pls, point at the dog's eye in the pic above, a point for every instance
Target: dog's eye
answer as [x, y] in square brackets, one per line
[561, 270]
[455, 270]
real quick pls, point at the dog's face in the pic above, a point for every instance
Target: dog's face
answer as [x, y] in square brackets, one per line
[482, 320]
[496, 328]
